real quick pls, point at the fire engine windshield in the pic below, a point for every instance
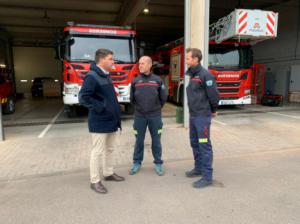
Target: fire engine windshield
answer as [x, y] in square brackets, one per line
[229, 57]
[83, 48]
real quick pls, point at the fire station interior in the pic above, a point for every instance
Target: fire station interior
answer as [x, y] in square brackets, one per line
[32, 30]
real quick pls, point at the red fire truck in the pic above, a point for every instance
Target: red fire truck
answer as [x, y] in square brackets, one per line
[230, 57]
[77, 50]
[7, 87]
[238, 79]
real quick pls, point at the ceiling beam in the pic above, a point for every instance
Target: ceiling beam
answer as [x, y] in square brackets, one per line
[129, 12]
[163, 10]
[44, 22]
[270, 5]
[87, 5]
[17, 12]
[166, 3]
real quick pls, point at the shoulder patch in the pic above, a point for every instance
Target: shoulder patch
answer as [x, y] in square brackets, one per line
[209, 83]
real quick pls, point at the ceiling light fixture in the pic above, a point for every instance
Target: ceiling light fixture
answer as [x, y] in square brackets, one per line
[146, 11]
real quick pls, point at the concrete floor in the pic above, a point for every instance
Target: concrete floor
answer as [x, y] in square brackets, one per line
[44, 170]
[260, 188]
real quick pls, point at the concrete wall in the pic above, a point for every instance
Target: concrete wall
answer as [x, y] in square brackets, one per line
[280, 54]
[31, 62]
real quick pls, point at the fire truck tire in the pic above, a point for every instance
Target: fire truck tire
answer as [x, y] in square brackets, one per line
[129, 109]
[71, 111]
[9, 107]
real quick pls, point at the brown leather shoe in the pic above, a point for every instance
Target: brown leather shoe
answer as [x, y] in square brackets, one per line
[99, 188]
[114, 177]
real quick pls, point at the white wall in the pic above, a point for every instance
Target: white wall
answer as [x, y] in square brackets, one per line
[280, 54]
[31, 62]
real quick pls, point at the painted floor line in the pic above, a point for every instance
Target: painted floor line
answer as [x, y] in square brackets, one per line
[219, 122]
[285, 115]
[44, 132]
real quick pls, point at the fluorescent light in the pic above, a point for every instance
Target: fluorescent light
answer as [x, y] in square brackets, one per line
[56, 80]
[23, 80]
[2, 66]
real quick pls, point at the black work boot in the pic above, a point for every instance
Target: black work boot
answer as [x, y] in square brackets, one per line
[193, 173]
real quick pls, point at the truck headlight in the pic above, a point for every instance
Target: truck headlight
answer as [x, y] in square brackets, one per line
[247, 91]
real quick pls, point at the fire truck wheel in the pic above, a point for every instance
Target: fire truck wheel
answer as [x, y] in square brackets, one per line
[9, 107]
[71, 111]
[129, 109]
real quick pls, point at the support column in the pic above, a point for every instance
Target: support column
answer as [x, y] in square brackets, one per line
[196, 35]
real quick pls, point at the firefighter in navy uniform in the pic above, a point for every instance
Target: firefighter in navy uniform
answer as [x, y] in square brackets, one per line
[148, 96]
[203, 101]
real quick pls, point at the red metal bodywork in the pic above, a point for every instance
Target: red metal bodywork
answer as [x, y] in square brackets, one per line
[122, 74]
[232, 85]
[6, 86]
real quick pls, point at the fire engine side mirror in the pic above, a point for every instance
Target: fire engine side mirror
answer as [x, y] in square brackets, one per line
[60, 50]
[57, 53]
[71, 41]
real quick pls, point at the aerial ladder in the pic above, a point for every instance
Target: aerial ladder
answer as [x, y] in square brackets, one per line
[245, 25]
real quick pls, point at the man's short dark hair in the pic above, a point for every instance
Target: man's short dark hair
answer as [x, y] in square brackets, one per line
[196, 53]
[102, 53]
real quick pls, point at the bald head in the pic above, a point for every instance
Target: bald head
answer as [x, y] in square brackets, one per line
[145, 64]
[146, 59]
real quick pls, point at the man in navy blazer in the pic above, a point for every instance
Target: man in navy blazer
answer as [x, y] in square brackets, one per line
[104, 119]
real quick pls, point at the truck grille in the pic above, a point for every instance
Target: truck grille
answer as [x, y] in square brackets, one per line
[118, 76]
[229, 98]
[228, 84]
[229, 90]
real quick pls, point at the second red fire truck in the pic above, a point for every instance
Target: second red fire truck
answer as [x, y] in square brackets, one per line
[77, 50]
[238, 79]
[230, 59]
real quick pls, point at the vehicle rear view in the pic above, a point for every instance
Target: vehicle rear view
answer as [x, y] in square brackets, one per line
[77, 50]
[37, 89]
